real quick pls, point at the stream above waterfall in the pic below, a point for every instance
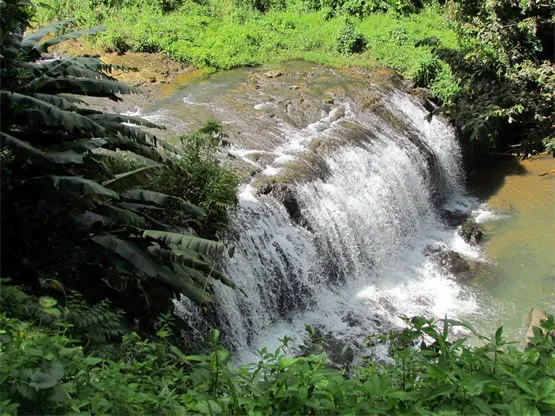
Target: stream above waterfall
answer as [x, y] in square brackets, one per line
[347, 191]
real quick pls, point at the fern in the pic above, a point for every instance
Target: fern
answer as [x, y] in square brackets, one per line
[99, 322]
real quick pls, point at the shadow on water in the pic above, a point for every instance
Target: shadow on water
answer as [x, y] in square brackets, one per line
[490, 176]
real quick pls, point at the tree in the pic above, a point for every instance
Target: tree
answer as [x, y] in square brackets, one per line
[507, 72]
[66, 217]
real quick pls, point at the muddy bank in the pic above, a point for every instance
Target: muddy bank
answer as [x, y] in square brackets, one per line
[154, 74]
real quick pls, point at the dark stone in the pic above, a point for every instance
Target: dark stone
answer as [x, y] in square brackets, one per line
[352, 320]
[453, 218]
[449, 260]
[471, 232]
[286, 195]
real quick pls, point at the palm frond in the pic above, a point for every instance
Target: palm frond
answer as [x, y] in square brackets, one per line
[131, 179]
[73, 184]
[30, 111]
[120, 118]
[35, 156]
[128, 252]
[43, 47]
[187, 242]
[30, 40]
[163, 200]
[95, 88]
[120, 215]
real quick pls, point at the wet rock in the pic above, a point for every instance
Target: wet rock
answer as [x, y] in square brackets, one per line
[449, 260]
[454, 218]
[471, 232]
[387, 306]
[286, 195]
[341, 354]
[534, 319]
[274, 73]
[352, 320]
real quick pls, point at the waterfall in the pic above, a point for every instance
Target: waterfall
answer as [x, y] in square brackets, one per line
[357, 260]
[342, 246]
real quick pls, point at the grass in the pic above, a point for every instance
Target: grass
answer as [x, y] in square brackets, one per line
[220, 36]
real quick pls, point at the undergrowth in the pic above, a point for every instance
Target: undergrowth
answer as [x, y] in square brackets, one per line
[48, 365]
[219, 36]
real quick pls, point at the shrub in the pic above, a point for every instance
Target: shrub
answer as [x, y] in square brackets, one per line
[44, 371]
[198, 176]
[261, 5]
[65, 215]
[349, 40]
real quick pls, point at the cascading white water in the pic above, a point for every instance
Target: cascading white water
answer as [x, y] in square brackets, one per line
[360, 262]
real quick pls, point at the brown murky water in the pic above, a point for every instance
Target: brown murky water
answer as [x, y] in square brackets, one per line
[522, 245]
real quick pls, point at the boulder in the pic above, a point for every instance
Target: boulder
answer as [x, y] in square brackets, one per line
[471, 232]
[274, 73]
[284, 193]
[449, 260]
[534, 319]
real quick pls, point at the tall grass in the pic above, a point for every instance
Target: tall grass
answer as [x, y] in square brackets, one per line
[221, 35]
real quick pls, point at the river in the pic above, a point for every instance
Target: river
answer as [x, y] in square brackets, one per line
[347, 189]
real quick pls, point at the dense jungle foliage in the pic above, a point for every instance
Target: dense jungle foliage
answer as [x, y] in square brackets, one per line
[78, 359]
[102, 222]
[489, 63]
[88, 201]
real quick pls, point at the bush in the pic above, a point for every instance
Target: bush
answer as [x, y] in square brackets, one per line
[44, 371]
[169, 5]
[261, 5]
[349, 40]
[198, 176]
[67, 217]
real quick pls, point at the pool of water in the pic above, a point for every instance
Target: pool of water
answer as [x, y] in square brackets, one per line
[519, 223]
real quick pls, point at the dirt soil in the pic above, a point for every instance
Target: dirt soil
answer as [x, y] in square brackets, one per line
[150, 72]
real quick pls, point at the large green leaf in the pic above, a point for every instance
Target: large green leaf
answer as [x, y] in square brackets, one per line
[119, 118]
[128, 251]
[97, 88]
[120, 215]
[59, 101]
[30, 40]
[189, 242]
[167, 201]
[30, 154]
[184, 284]
[131, 179]
[30, 111]
[131, 145]
[67, 67]
[81, 146]
[73, 184]
[127, 131]
[190, 260]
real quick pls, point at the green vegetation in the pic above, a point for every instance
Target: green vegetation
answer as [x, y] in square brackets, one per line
[101, 221]
[48, 365]
[207, 182]
[486, 62]
[74, 214]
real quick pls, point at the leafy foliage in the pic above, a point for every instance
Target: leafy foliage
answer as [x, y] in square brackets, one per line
[45, 371]
[506, 70]
[66, 216]
[349, 41]
[198, 176]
